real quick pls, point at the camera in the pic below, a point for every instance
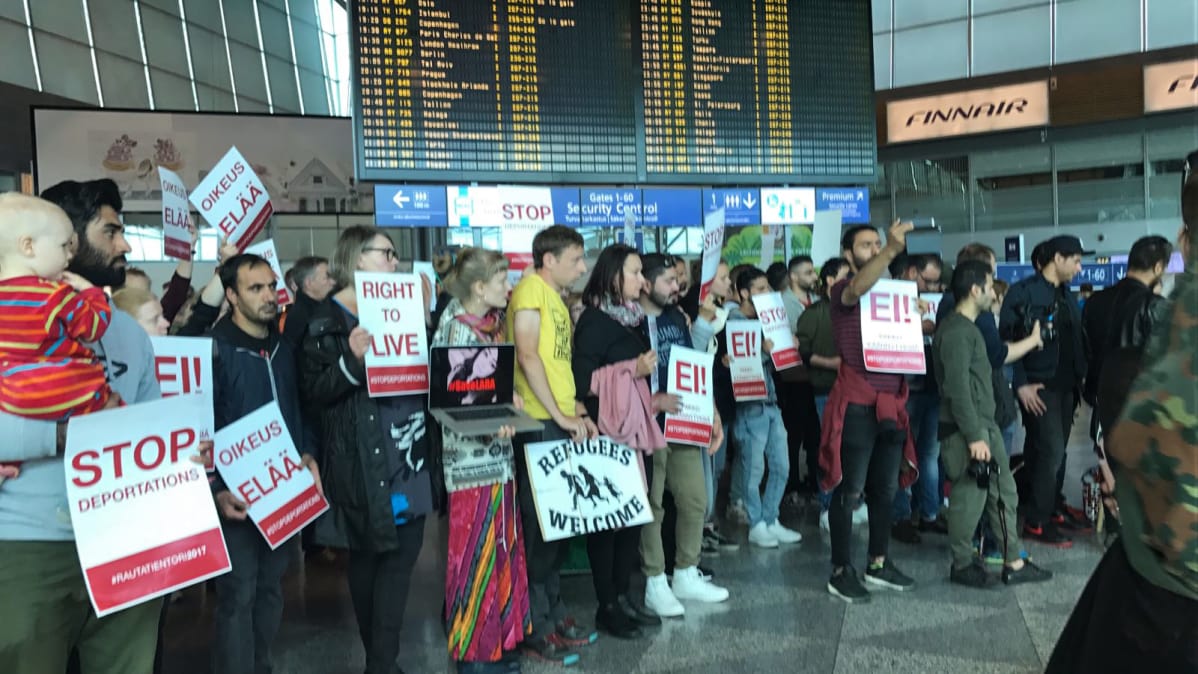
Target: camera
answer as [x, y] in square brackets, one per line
[981, 471]
[1048, 330]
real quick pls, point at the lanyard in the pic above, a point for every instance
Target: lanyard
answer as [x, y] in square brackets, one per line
[653, 345]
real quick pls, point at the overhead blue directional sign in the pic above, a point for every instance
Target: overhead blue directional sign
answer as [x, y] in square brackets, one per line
[1094, 274]
[410, 206]
[672, 207]
[741, 206]
[606, 207]
[567, 206]
[1013, 273]
[852, 202]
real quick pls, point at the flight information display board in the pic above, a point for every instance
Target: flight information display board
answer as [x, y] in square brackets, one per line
[665, 91]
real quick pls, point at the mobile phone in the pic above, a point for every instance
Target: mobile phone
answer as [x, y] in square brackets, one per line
[923, 223]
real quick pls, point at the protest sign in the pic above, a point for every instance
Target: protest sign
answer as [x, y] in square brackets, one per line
[266, 251]
[183, 366]
[176, 216]
[775, 326]
[145, 523]
[744, 354]
[258, 461]
[429, 274]
[891, 329]
[583, 487]
[933, 300]
[689, 378]
[713, 245]
[233, 199]
[391, 309]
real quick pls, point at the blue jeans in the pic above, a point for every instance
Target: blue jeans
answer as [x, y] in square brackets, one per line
[713, 468]
[761, 437]
[923, 410]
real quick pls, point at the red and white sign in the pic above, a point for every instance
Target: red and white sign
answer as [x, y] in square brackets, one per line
[689, 378]
[183, 366]
[391, 309]
[517, 243]
[176, 216]
[713, 247]
[744, 356]
[775, 326]
[145, 523]
[891, 328]
[233, 199]
[260, 465]
[933, 300]
[266, 250]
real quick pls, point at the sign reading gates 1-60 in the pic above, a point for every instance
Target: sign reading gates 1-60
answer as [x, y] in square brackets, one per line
[584, 487]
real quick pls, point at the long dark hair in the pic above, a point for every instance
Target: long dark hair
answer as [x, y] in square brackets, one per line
[607, 279]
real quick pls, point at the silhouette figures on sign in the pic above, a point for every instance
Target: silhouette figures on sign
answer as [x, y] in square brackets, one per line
[585, 487]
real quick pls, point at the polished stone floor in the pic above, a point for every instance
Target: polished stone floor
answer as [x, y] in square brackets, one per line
[779, 618]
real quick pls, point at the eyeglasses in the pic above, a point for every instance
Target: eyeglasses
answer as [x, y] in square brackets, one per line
[389, 253]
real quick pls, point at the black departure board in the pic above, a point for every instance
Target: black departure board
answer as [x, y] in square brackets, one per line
[661, 91]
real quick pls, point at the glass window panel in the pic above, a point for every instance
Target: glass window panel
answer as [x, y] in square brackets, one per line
[1166, 153]
[881, 15]
[931, 54]
[164, 41]
[280, 5]
[114, 27]
[1012, 189]
[213, 99]
[937, 188]
[1097, 28]
[1012, 40]
[14, 11]
[205, 13]
[316, 97]
[882, 60]
[247, 68]
[208, 58]
[1172, 23]
[305, 10]
[123, 81]
[909, 13]
[881, 201]
[17, 65]
[61, 17]
[251, 105]
[171, 92]
[1100, 180]
[307, 46]
[282, 85]
[989, 6]
[239, 21]
[168, 6]
[66, 67]
[276, 36]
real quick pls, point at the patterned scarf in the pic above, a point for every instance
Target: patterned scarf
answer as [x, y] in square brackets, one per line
[628, 314]
[488, 327]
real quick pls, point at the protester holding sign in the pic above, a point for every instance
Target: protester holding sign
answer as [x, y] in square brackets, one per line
[866, 437]
[375, 452]
[486, 580]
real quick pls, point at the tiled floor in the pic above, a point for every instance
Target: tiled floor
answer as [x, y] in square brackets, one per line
[779, 618]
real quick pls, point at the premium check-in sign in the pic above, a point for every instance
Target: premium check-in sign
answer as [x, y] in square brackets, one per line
[979, 111]
[1171, 86]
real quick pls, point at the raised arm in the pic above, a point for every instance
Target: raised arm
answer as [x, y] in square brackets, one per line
[867, 276]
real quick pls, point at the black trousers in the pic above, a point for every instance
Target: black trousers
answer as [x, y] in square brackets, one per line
[544, 559]
[378, 588]
[870, 457]
[1123, 623]
[1044, 454]
[797, 402]
[615, 555]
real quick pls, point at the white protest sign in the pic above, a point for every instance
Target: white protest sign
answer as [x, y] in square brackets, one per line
[713, 247]
[516, 242]
[744, 355]
[266, 251]
[233, 199]
[933, 300]
[775, 326]
[260, 465]
[689, 377]
[630, 228]
[768, 236]
[145, 523]
[891, 329]
[391, 309]
[176, 215]
[825, 236]
[583, 487]
[183, 366]
[429, 273]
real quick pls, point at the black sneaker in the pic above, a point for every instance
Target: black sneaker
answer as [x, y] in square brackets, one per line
[848, 587]
[1047, 534]
[936, 526]
[888, 576]
[638, 613]
[1066, 518]
[905, 531]
[550, 649]
[614, 621]
[723, 543]
[574, 635]
[709, 547]
[1028, 573]
[973, 575]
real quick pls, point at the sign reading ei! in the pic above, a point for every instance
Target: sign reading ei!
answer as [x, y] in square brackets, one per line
[233, 199]
[183, 366]
[391, 308]
[892, 329]
[689, 374]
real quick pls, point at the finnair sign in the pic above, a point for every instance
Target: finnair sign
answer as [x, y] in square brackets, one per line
[979, 111]
[1171, 86]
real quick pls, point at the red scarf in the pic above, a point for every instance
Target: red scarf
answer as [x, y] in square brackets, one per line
[488, 328]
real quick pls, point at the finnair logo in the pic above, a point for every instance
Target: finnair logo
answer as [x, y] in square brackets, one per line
[978, 111]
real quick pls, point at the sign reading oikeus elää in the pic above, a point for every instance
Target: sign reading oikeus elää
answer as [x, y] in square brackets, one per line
[689, 378]
[775, 326]
[891, 329]
[266, 250]
[391, 309]
[145, 524]
[257, 459]
[183, 366]
[176, 216]
[583, 487]
[233, 199]
[744, 360]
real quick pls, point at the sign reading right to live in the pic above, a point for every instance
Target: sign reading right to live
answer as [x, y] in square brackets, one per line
[391, 308]
[689, 378]
[892, 329]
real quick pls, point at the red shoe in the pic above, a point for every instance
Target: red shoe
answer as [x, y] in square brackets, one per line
[1047, 534]
[574, 635]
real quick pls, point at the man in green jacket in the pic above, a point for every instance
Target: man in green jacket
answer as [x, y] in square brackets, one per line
[972, 446]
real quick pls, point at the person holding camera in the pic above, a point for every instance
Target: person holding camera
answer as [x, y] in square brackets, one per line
[1047, 381]
[971, 441]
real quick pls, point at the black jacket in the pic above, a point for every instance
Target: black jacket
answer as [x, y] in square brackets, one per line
[1035, 299]
[600, 340]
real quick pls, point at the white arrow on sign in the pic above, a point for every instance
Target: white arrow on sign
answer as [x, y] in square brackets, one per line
[400, 199]
[750, 202]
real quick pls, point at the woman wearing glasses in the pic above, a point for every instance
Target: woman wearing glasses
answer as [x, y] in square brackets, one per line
[376, 466]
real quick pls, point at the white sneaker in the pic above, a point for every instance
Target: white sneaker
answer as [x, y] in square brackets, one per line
[738, 513]
[785, 536]
[861, 516]
[823, 522]
[690, 584]
[660, 599]
[761, 536]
